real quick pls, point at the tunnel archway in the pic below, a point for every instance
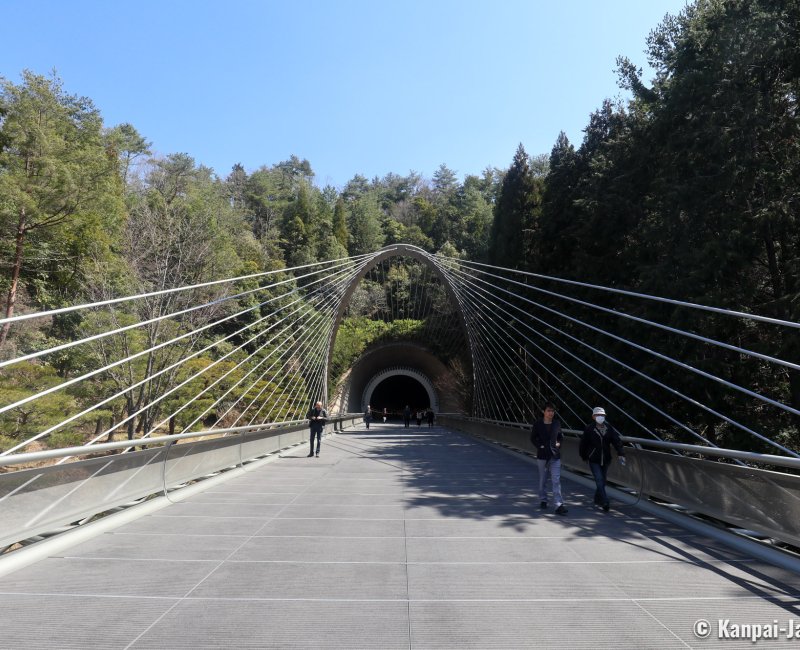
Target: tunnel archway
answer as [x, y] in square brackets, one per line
[397, 391]
[396, 387]
[371, 367]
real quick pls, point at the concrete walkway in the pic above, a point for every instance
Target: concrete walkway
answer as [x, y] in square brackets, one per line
[394, 538]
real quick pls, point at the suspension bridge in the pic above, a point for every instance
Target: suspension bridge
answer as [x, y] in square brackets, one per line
[156, 490]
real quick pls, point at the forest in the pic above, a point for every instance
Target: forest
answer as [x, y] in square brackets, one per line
[687, 189]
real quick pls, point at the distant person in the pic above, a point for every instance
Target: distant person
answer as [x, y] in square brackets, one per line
[429, 415]
[595, 448]
[316, 422]
[368, 415]
[407, 416]
[385, 414]
[419, 418]
[546, 436]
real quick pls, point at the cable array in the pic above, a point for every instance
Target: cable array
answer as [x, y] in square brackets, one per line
[584, 345]
[172, 373]
[253, 349]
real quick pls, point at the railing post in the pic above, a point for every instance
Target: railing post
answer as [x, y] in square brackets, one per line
[164, 465]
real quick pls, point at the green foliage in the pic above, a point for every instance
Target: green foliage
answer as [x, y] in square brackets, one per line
[126, 144]
[147, 223]
[690, 192]
[340, 223]
[516, 213]
[62, 439]
[60, 188]
[24, 380]
[474, 207]
[364, 222]
[357, 334]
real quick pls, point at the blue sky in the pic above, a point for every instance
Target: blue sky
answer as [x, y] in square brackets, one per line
[355, 86]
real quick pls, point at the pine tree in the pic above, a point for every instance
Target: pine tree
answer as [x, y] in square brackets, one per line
[515, 214]
[60, 188]
[340, 222]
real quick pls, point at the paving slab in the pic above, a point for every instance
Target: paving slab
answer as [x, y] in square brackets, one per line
[322, 549]
[276, 625]
[265, 498]
[157, 546]
[82, 576]
[509, 625]
[76, 622]
[195, 525]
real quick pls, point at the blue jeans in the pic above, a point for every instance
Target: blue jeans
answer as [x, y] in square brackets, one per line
[600, 472]
[555, 474]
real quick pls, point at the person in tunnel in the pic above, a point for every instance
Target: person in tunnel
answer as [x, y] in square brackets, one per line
[407, 416]
[546, 436]
[368, 415]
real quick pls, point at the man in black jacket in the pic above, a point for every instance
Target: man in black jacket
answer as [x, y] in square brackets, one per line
[595, 448]
[546, 436]
[316, 422]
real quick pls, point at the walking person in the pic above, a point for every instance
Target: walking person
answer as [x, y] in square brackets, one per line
[407, 416]
[595, 448]
[368, 415]
[430, 417]
[546, 436]
[384, 414]
[419, 418]
[316, 422]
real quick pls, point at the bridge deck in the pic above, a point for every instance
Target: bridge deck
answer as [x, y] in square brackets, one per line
[392, 539]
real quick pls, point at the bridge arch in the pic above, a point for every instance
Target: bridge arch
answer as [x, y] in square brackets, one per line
[395, 250]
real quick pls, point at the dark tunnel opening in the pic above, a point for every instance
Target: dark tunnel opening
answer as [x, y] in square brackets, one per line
[393, 393]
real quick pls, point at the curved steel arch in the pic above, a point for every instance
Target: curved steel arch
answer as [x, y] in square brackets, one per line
[394, 250]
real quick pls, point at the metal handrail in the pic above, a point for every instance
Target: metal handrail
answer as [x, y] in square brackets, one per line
[768, 459]
[717, 452]
[35, 456]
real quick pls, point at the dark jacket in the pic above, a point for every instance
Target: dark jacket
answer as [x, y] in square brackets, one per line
[317, 425]
[596, 447]
[545, 442]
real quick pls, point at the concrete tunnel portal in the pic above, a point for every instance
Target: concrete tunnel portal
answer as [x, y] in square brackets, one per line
[395, 374]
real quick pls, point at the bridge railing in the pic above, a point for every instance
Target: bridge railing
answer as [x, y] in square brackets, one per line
[40, 501]
[756, 499]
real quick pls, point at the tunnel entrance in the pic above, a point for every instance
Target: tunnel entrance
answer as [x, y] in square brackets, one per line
[394, 392]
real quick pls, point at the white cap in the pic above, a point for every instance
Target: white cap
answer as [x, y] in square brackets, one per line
[599, 410]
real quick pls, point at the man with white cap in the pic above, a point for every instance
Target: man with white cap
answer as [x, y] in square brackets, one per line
[595, 448]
